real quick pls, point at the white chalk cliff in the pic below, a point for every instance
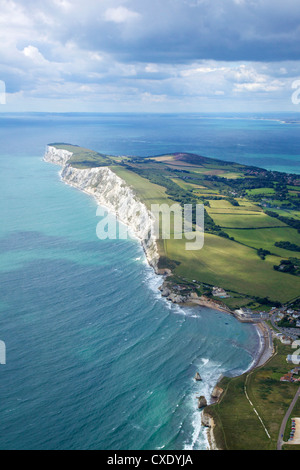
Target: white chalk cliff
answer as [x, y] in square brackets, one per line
[115, 194]
[57, 156]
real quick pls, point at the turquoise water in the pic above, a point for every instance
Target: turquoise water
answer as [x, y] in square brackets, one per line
[96, 359]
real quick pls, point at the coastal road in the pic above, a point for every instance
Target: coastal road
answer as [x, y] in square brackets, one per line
[285, 419]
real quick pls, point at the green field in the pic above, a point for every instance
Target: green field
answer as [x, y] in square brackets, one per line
[190, 179]
[233, 266]
[288, 213]
[148, 192]
[265, 238]
[242, 220]
[263, 191]
[188, 186]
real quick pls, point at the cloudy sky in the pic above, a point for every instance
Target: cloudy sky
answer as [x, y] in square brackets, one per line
[149, 55]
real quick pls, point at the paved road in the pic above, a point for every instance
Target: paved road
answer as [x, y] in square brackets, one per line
[285, 419]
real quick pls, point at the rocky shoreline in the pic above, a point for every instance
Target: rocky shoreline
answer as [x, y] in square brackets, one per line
[208, 422]
[187, 299]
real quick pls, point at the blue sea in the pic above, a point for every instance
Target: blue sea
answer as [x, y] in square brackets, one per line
[96, 359]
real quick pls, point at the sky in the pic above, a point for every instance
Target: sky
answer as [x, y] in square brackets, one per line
[150, 55]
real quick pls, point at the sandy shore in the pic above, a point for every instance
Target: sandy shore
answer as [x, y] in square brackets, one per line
[266, 348]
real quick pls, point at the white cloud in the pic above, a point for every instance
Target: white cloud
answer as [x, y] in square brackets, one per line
[64, 4]
[34, 54]
[151, 68]
[120, 15]
[149, 97]
[257, 87]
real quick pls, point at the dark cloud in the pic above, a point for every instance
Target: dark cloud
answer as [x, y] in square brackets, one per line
[174, 30]
[179, 31]
[149, 49]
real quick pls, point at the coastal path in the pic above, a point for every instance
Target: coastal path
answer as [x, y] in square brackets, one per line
[265, 356]
[255, 411]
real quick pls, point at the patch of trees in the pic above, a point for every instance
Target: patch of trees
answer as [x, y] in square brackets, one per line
[289, 266]
[232, 201]
[267, 301]
[215, 198]
[287, 220]
[287, 246]
[285, 323]
[263, 253]
[243, 184]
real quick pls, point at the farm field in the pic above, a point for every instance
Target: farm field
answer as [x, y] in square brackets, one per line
[266, 238]
[288, 213]
[233, 266]
[236, 223]
[148, 192]
[243, 220]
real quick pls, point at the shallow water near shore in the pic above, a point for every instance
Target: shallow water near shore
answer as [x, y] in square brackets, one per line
[96, 359]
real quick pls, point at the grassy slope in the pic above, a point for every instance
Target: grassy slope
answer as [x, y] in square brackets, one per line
[84, 158]
[238, 427]
[295, 414]
[148, 192]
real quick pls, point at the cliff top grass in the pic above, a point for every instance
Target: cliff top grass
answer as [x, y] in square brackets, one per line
[242, 217]
[84, 158]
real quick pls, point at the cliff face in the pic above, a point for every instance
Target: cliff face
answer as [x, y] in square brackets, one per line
[111, 191]
[208, 422]
[57, 156]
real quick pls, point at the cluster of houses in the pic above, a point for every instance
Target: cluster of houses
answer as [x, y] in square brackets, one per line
[290, 376]
[219, 292]
[284, 339]
[289, 315]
